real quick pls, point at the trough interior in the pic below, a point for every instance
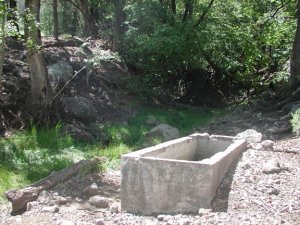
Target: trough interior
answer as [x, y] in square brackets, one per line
[192, 149]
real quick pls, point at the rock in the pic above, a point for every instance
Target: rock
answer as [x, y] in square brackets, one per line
[252, 136]
[268, 145]
[203, 211]
[52, 209]
[60, 72]
[67, 222]
[61, 200]
[115, 209]
[151, 121]
[80, 108]
[32, 205]
[99, 201]
[271, 166]
[77, 133]
[184, 222]
[163, 132]
[160, 217]
[93, 189]
[99, 222]
[273, 191]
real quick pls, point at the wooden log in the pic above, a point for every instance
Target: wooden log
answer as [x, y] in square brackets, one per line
[19, 198]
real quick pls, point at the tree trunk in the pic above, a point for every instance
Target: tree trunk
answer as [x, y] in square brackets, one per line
[295, 57]
[90, 25]
[3, 33]
[118, 25]
[20, 198]
[55, 20]
[40, 87]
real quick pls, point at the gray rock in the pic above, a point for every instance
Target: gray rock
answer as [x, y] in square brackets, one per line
[32, 205]
[203, 211]
[93, 189]
[252, 136]
[61, 200]
[52, 209]
[60, 72]
[184, 222]
[151, 121]
[268, 145]
[80, 108]
[67, 222]
[273, 191]
[115, 209]
[99, 222]
[272, 166]
[164, 132]
[160, 217]
[77, 133]
[99, 201]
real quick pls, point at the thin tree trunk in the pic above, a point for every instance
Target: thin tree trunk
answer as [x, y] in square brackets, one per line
[55, 19]
[118, 25]
[295, 57]
[90, 25]
[40, 87]
[3, 34]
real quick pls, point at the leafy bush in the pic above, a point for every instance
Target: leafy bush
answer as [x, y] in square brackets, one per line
[295, 121]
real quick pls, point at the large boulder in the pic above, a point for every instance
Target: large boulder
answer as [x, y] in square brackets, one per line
[252, 136]
[161, 133]
[60, 72]
[80, 108]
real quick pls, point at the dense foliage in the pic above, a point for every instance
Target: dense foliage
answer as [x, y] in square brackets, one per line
[220, 45]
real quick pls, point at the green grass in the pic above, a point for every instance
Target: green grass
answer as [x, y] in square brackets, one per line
[32, 154]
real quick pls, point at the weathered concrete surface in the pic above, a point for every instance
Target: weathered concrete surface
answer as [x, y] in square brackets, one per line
[178, 176]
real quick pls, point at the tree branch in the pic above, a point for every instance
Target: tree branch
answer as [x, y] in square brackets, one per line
[202, 16]
[283, 4]
[74, 4]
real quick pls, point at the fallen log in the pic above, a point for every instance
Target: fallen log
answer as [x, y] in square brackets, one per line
[19, 198]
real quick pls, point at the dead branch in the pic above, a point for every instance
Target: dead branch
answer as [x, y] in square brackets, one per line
[19, 198]
[66, 84]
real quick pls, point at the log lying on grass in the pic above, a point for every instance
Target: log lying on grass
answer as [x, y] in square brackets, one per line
[19, 198]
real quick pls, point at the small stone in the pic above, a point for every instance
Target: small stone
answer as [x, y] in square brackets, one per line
[99, 222]
[160, 217]
[151, 121]
[32, 205]
[52, 209]
[203, 211]
[273, 191]
[268, 145]
[168, 218]
[44, 194]
[61, 200]
[99, 201]
[67, 222]
[184, 222]
[271, 166]
[114, 209]
[93, 189]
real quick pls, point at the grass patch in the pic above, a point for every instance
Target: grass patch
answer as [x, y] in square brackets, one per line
[30, 155]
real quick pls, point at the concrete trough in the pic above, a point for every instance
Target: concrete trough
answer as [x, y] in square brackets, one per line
[178, 176]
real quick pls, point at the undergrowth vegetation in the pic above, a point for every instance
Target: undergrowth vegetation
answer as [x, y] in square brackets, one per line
[32, 154]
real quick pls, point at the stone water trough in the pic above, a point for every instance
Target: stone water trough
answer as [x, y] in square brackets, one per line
[178, 176]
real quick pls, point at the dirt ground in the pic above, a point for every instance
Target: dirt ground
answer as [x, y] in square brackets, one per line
[247, 195]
